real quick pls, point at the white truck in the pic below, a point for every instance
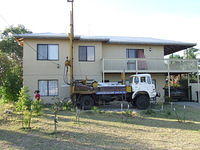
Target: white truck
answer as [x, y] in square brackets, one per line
[140, 91]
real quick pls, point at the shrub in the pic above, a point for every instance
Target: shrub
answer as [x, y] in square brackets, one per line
[37, 107]
[24, 102]
[149, 112]
[96, 109]
[68, 105]
[11, 78]
[168, 99]
[24, 106]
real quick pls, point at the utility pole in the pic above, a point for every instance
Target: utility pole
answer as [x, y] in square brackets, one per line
[71, 42]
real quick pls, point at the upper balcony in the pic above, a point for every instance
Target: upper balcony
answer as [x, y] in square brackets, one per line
[150, 65]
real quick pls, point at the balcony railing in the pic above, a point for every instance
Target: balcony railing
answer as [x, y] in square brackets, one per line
[150, 65]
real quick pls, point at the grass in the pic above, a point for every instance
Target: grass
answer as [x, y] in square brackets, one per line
[96, 130]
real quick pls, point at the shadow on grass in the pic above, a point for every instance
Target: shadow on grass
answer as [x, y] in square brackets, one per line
[151, 121]
[66, 140]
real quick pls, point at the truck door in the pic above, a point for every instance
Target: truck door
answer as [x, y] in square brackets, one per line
[143, 84]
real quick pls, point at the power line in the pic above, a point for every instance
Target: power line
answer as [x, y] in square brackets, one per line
[32, 48]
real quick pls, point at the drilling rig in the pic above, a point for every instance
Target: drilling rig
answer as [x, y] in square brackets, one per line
[87, 93]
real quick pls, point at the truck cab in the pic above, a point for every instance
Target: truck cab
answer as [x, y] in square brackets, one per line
[143, 90]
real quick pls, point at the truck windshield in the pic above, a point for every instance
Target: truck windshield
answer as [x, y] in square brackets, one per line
[136, 80]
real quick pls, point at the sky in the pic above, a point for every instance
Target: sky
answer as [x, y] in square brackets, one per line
[166, 19]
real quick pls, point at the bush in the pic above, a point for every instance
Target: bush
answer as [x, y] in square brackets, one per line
[11, 78]
[168, 99]
[24, 105]
[37, 107]
[149, 112]
[24, 102]
[96, 109]
[128, 113]
[68, 106]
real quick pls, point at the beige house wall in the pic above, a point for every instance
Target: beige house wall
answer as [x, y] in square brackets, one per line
[91, 70]
[119, 51]
[34, 70]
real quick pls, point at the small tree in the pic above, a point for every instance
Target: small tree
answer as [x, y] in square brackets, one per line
[37, 107]
[57, 106]
[24, 106]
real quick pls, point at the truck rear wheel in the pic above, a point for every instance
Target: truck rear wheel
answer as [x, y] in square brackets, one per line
[87, 102]
[142, 102]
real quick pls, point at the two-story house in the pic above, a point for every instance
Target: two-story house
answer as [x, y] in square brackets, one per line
[99, 58]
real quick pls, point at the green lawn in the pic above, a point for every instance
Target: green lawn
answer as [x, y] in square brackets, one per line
[145, 130]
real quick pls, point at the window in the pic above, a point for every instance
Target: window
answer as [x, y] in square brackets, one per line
[48, 87]
[136, 80]
[148, 80]
[154, 82]
[134, 53]
[142, 79]
[86, 53]
[47, 51]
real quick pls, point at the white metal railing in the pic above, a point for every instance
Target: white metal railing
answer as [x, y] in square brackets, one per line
[150, 65]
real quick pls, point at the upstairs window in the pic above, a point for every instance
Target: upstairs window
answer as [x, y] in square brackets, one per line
[86, 53]
[134, 53]
[47, 52]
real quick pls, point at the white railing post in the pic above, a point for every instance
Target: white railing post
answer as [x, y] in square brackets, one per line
[136, 66]
[188, 75]
[103, 67]
[169, 93]
[198, 81]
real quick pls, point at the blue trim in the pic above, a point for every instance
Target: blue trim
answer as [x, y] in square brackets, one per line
[113, 92]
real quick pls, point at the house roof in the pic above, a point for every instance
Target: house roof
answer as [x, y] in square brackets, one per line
[169, 45]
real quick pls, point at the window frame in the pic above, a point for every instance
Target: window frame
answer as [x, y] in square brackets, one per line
[128, 52]
[48, 87]
[86, 54]
[47, 53]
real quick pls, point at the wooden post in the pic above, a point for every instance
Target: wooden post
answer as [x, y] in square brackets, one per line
[71, 38]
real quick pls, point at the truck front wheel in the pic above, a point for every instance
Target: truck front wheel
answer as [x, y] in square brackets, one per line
[142, 102]
[87, 102]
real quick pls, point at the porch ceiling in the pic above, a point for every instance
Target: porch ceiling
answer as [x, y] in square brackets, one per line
[169, 49]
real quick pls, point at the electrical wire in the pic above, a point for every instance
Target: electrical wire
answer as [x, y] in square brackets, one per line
[24, 41]
[66, 81]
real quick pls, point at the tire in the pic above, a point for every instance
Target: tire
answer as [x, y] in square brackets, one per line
[142, 102]
[133, 103]
[87, 102]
